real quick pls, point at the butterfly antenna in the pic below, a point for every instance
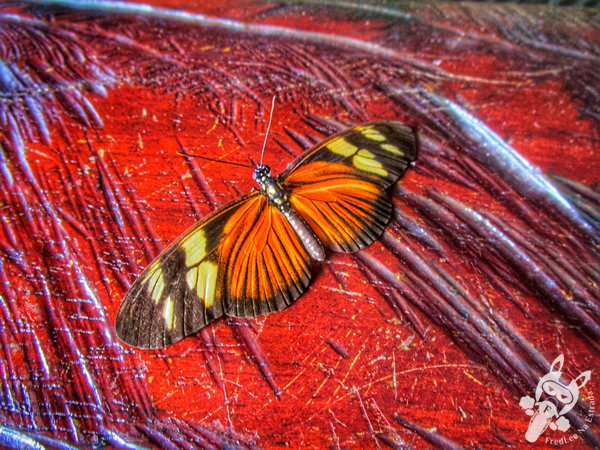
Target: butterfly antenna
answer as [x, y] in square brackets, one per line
[183, 152]
[205, 158]
[262, 153]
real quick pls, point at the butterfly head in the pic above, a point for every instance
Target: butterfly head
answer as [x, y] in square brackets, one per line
[262, 174]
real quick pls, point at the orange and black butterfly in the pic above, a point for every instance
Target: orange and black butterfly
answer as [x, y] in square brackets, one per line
[253, 256]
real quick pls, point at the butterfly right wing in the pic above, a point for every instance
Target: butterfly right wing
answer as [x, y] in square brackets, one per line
[179, 292]
[242, 260]
[338, 187]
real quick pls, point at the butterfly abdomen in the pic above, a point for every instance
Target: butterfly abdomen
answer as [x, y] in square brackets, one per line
[311, 243]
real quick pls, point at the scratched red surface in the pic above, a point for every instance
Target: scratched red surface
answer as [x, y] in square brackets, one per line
[370, 351]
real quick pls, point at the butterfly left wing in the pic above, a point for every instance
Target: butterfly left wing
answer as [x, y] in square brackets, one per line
[179, 293]
[338, 188]
[242, 260]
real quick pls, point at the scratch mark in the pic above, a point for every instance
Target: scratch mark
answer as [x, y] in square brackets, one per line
[224, 389]
[329, 372]
[372, 432]
[466, 372]
[343, 380]
[394, 374]
[336, 439]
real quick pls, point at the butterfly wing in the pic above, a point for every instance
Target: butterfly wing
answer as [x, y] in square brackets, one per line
[338, 188]
[242, 260]
[178, 293]
[264, 265]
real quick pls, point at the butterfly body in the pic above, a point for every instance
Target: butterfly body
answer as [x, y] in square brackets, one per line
[254, 255]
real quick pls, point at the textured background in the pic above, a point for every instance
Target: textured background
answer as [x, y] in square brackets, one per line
[428, 338]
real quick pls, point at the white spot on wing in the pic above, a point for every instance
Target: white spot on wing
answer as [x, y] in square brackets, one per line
[169, 313]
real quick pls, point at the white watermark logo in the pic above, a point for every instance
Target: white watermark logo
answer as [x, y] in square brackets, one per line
[553, 399]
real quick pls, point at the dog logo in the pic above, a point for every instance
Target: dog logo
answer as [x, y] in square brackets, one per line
[553, 399]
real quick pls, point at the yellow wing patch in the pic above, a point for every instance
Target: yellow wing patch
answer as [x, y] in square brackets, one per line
[391, 148]
[194, 248]
[342, 147]
[362, 158]
[156, 282]
[367, 161]
[373, 134]
[203, 279]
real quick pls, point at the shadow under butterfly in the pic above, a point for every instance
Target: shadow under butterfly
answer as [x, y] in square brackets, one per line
[253, 256]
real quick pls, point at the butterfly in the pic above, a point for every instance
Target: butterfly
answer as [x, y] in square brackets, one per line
[253, 256]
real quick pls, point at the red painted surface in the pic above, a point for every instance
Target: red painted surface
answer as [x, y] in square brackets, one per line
[337, 367]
